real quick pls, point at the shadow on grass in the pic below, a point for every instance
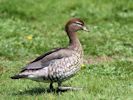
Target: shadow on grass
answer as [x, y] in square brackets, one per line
[38, 91]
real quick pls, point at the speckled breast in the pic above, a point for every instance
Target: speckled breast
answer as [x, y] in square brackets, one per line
[64, 68]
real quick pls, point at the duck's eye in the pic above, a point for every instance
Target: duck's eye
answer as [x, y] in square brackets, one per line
[79, 23]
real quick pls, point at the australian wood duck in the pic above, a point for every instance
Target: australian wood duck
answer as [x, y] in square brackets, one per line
[59, 64]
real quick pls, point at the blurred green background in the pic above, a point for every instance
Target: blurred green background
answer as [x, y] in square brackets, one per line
[29, 28]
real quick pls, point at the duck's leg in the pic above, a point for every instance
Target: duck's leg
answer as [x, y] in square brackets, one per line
[59, 87]
[59, 84]
[51, 86]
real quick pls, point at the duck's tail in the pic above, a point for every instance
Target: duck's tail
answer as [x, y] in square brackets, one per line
[18, 76]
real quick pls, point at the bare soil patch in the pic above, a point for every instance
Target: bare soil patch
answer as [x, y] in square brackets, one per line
[101, 59]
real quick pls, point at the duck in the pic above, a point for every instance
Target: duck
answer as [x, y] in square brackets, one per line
[59, 64]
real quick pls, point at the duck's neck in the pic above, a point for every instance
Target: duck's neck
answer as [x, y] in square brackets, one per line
[74, 42]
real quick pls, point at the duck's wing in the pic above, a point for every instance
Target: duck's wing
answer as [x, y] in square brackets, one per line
[46, 54]
[45, 59]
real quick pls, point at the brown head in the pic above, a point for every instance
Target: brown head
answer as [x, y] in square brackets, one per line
[71, 28]
[75, 25]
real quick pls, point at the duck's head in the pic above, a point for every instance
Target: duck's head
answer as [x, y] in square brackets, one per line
[75, 25]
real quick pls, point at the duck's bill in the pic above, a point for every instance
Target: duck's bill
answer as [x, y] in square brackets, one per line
[85, 28]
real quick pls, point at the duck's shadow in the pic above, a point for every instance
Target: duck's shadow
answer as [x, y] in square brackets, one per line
[37, 91]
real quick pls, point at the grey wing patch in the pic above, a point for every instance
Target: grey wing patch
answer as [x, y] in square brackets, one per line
[36, 66]
[32, 66]
[57, 55]
[46, 54]
[44, 62]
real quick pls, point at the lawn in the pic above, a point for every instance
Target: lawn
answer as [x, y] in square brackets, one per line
[29, 28]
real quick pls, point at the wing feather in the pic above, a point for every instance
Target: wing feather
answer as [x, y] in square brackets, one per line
[46, 59]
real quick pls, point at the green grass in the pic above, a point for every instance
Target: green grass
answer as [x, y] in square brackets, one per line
[111, 35]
